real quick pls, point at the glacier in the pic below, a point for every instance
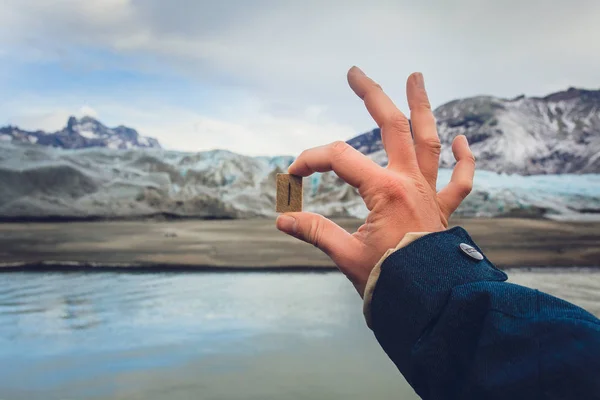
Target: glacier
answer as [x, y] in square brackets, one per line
[39, 182]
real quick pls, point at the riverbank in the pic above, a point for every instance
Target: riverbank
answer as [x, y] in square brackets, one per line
[257, 245]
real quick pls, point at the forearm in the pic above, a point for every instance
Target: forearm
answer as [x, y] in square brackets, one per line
[455, 329]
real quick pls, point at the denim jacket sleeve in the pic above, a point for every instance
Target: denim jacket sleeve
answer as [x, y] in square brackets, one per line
[456, 330]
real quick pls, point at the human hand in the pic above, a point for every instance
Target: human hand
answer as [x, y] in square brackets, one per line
[401, 197]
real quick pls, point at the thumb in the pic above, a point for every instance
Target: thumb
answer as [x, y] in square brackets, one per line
[323, 233]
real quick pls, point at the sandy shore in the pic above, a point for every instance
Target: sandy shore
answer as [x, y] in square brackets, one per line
[254, 244]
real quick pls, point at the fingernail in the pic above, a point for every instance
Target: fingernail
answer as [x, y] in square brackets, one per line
[286, 223]
[358, 70]
[419, 80]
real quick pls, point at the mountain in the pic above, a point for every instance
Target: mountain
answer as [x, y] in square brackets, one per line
[556, 134]
[537, 157]
[38, 182]
[81, 133]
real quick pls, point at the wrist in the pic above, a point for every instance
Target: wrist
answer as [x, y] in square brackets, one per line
[369, 286]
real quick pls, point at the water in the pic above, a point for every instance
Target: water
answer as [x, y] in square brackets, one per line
[205, 335]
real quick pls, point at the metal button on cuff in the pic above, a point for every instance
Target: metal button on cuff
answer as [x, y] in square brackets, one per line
[471, 251]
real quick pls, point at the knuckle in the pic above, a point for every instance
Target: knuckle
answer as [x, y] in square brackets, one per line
[374, 86]
[433, 144]
[397, 122]
[315, 231]
[464, 188]
[420, 105]
[392, 189]
[338, 148]
[422, 186]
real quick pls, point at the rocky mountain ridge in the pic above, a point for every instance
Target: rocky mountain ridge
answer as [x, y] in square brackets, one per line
[81, 133]
[555, 134]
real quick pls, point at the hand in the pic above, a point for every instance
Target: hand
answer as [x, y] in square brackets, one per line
[401, 197]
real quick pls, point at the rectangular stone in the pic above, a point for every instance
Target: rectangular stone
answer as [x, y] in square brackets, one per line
[289, 193]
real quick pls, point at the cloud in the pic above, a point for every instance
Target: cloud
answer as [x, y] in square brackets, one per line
[258, 134]
[36, 113]
[252, 130]
[87, 111]
[292, 56]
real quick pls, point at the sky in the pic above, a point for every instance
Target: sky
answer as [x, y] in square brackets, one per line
[269, 77]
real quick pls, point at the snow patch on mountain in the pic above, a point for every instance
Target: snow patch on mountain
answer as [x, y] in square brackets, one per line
[556, 134]
[537, 157]
[81, 133]
[42, 182]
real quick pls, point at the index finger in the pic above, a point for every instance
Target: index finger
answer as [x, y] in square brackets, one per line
[348, 163]
[395, 128]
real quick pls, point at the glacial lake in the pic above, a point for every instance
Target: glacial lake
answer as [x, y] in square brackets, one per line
[206, 335]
